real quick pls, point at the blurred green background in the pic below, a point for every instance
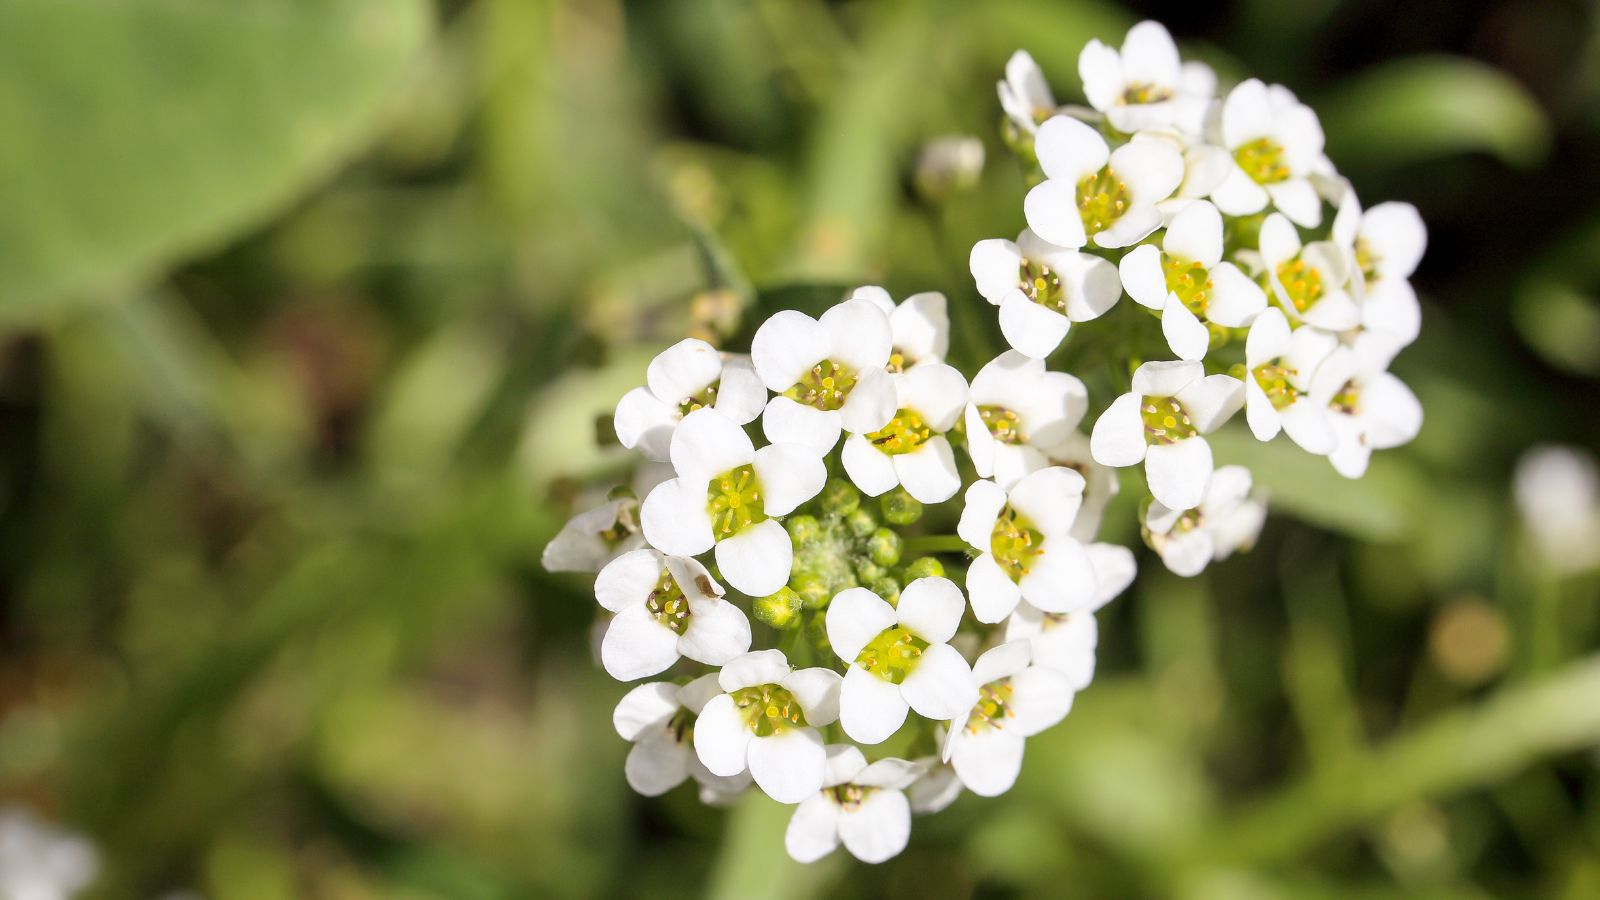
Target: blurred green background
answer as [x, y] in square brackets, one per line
[308, 307]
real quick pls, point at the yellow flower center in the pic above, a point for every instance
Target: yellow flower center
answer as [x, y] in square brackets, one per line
[1301, 282]
[1165, 421]
[892, 655]
[1042, 285]
[768, 709]
[1191, 282]
[824, 387]
[1348, 400]
[707, 397]
[849, 796]
[734, 501]
[1015, 543]
[1145, 93]
[1003, 424]
[993, 706]
[905, 432]
[667, 603]
[1274, 382]
[1262, 160]
[1102, 199]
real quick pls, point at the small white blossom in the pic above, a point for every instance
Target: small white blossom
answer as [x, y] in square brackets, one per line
[1066, 642]
[1145, 85]
[41, 862]
[1162, 423]
[685, 377]
[1276, 142]
[1093, 192]
[766, 722]
[1100, 483]
[1017, 412]
[1041, 289]
[1015, 702]
[919, 328]
[912, 450]
[1227, 520]
[938, 786]
[658, 718]
[829, 373]
[725, 495]
[666, 607]
[1370, 409]
[594, 537]
[1024, 94]
[1557, 490]
[1189, 284]
[861, 806]
[946, 165]
[1385, 243]
[1026, 545]
[1280, 365]
[899, 657]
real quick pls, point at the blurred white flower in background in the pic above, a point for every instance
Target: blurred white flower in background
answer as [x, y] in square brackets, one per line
[39, 861]
[1557, 490]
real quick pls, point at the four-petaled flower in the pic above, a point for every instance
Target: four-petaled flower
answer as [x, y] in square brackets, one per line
[919, 328]
[1276, 143]
[1094, 193]
[1016, 700]
[1308, 281]
[1226, 520]
[1279, 365]
[666, 607]
[1018, 413]
[594, 537]
[829, 374]
[1370, 408]
[861, 806]
[1025, 94]
[1146, 85]
[1027, 551]
[766, 721]
[658, 718]
[1041, 289]
[687, 376]
[912, 450]
[1162, 423]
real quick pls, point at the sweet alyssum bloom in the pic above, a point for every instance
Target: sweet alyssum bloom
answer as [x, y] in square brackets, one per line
[594, 537]
[1041, 289]
[1189, 284]
[1066, 642]
[1027, 550]
[766, 721]
[1276, 142]
[1025, 94]
[919, 328]
[1228, 519]
[1017, 412]
[725, 495]
[861, 806]
[1385, 244]
[829, 373]
[1279, 365]
[39, 861]
[1308, 281]
[1557, 490]
[938, 786]
[1015, 702]
[1094, 193]
[687, 376]
[1369, 408]
[1145, 85]
[666, 607]
[912, 450]
[658, 718]
[899, 657]
[1162, 422]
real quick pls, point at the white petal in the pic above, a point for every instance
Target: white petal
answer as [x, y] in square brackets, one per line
[1068, 150]
[721, 738]
[1050, 498]
[813, 830]
[788, 766]
[1238, 194]
[1211, 401]
[1100, 69]
[643, 707]
[937, 392]
[696, 694]
[636, 645]
[931, 607]
[1151, 171]
[941, 685]
[628, 579]
[683, 370]
[935, 791]
[871, 403]
[869, 468]
[981, 445]
[859, 334]
[1268, 338]
[1142, 276]
[1177, 474]
[817, 691]
[921, 327]
[988, 760]
[1298, 200]
[790, 474]
[1307, 425]
[1352, 453]
[1040, 698]
[1001, 662]
[754, 668]
[1062, 579]
[1235, 299]
[757, 560]
[1093, 287]
[1393, 414]
[1165, 378]
[992, 592]
[577, 547]
[878, 828]
[877, 295]
[657, 765]
[1014, 462]
[845, 762]
[1195, 235]
[1391, 307]
[706, 444]
[1138, 223]
[1118, 436]
[928, 473]
[1398, 237]
[789, 422]
[786, 346]
[1031, 329]
[1246, 114]
[891, 774]
[1278, 240]
[1149, 56]
[1051, 209]
[1188, 338]
[718, 631]
[1259, 412]
[1189, 553]
[1114, 570]
[854, 618]
[1051, 408]
[740, 396]
[1334, 311]
[675, 519]
[983, 502]
[693, 578]
[996, 266]
[644, 422]
[870, 708]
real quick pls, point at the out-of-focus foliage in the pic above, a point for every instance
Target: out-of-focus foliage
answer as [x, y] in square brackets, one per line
[280, 447]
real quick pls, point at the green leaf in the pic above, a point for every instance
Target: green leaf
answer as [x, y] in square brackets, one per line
[1425, 108]
[136, 133]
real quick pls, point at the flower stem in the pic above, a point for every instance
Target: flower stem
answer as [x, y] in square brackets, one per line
[936, 543]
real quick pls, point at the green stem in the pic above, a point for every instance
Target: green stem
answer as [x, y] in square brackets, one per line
[936, 543]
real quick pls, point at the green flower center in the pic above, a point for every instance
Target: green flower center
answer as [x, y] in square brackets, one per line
[1102, 199]
[892, 655]
[1262, 160]
[1145, 93]
[824, 387]
[1015, 543]
[905, 432]
[993, 706]
[1191, 282]
[1003, 424]
[768, 709]
[899, 361]
[707, 397]
[681, 726]
[1366, 261]
[667, 603]
[1301, 282]
[734, 501]
[1348, 400]
[620, 530]
[1042, 285]
[849, 796]
[1165, 422]
[1274, 382]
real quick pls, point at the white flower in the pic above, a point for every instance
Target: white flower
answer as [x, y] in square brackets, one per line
[1015, 702]
[724, 495]
[864, 807]
[1041, 289]
[666, 607]
[1369, 408]
[1189, 284]
[685, 377]
[1280, 365]
[946, 165]
[659, 719]
[1100, 483]
[899, 657]
[1204, 167]
[41, 862]
[1228, 519]
[1024, 94]
[1307, 281]
[938, 786]
[829, 374]
[1017, 412]
[1161, 422]
[1094, 192]
[912, 449]
[1557, 491]
[1066, 642]
[1276, 142]
[919, 328]
[766, 721]
[1385, 244]
[1026, 545]
[594, 537]
[1144, 86]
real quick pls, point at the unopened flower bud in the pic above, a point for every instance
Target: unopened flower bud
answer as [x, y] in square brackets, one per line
[900, 508]
[811, 588]
[923, 567]
[885, 547]
[839, 497]
[861, 522]
[803, 529]
[780, 610]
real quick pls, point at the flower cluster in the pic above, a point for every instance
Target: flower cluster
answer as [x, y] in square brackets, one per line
[896, 667]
